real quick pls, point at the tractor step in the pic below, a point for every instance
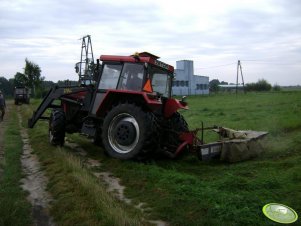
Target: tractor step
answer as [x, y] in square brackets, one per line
[88, 129]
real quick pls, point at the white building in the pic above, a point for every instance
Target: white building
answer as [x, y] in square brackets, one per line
[186, 83]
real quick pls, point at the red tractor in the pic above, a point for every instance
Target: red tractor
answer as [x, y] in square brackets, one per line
[123, 102]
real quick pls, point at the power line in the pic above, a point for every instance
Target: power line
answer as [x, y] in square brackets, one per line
[270, 62]
[262, 62]
[223, 65]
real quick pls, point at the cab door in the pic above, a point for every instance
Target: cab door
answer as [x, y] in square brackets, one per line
[108, 80]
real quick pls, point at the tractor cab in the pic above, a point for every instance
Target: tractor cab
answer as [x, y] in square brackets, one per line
[133, 77]
[142, 72]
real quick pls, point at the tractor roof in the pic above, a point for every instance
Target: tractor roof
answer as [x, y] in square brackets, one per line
[143, 57]
[146, 54]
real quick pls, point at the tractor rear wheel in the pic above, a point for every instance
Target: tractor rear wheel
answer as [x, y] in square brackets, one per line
[57, 128]
[176, 125]
[128, 131]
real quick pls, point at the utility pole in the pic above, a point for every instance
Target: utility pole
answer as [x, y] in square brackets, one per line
[239, 68]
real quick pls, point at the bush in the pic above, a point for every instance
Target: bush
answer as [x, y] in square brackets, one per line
[276, 87]
[261, 85]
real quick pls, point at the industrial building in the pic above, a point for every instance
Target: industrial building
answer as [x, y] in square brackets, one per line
[186, 83]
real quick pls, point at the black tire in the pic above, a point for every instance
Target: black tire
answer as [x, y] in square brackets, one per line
[57, 128]
[16, 102]
[128, 132]
[176, 125]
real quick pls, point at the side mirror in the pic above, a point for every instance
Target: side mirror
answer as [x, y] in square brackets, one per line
[77, 67]
[183, 101]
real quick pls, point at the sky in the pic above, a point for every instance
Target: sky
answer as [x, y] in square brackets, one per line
[265, 35]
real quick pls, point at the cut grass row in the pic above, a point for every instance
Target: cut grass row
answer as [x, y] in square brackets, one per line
[14, 208]
[190, 192]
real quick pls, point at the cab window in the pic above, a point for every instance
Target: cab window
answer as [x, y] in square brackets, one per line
[110, 76]
[161, 82]
[132, 77]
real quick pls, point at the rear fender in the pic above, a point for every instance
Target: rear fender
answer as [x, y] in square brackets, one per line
[113, 97]
[172, 105]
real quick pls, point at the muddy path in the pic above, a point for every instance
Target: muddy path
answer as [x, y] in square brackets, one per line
[34, 182]
[113, 184]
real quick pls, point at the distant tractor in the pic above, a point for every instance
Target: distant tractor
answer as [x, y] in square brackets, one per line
[124, 103]
[22, 95]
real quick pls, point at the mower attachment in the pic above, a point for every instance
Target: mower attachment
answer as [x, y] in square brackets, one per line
[232, 146]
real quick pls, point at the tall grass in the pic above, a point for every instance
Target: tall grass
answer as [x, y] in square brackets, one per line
[14, 208]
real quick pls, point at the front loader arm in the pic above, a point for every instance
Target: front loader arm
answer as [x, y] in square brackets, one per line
[55, 93]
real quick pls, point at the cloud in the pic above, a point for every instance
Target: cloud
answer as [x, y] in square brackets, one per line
[210, 33]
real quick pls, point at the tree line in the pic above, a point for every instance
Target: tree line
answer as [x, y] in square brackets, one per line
[260, 85]
[30, 77]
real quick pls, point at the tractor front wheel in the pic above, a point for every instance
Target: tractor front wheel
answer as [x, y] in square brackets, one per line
[127, 131]
[57, 128]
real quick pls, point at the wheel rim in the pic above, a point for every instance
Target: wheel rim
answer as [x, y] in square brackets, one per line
[123, 133]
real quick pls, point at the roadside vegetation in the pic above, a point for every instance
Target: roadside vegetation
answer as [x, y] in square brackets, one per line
[14, 208]
[186, 191]
[79, 197]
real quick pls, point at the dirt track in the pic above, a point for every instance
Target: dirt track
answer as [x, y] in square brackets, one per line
[35, 182]
[113, 183]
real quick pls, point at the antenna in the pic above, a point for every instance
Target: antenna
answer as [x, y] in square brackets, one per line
[239, 68]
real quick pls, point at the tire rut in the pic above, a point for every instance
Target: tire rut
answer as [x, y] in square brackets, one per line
[113, 183]
[34, 182]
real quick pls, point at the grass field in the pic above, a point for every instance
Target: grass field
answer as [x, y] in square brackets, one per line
[187, 191]
[14, 208]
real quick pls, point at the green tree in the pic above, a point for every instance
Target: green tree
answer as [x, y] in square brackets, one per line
[6, 87]
[213, 85]
[276, 87]
[33, 76]
[44, 88]
[20, 79]
[261, 85]
[223, 83]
